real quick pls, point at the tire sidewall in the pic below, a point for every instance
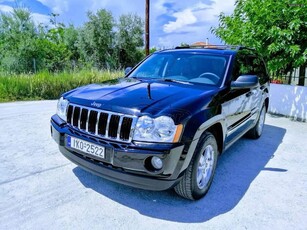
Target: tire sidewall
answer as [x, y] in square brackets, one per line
[208, 139]
[257, 124]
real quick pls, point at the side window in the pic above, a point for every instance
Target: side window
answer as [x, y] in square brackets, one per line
[248, 63]
[243, 64]
[259, 68]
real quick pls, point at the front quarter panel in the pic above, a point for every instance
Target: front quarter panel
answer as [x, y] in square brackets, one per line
[196, 126]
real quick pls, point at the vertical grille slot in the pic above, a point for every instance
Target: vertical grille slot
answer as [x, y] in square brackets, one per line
[125, 128]
[83, 119]
[113, 126]
[76, 116]
[108, 125]
[102, 124]
[69, 113]
[92, 121]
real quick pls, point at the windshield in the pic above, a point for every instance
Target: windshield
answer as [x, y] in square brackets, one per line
[183, 67]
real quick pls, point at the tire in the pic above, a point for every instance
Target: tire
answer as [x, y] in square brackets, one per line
[198, 177]
[256, 131]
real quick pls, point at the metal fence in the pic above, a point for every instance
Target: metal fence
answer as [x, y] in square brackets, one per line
[293, 77]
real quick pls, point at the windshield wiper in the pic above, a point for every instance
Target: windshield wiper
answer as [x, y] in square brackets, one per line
[177, 81]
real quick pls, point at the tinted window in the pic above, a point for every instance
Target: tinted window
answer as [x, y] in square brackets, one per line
[184, 66]
[248, 63]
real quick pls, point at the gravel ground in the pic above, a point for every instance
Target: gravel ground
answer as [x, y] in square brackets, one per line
[258, 184]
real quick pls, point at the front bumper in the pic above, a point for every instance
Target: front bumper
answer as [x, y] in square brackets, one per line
[125, 164]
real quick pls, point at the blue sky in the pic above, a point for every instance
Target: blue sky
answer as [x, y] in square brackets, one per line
[171, 22]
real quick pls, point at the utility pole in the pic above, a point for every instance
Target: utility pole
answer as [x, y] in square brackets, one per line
[147, 27]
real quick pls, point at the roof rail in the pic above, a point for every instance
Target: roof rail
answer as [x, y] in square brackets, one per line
[210, 46]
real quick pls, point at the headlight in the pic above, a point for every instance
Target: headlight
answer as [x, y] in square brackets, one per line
[161, 129]
[62, 108]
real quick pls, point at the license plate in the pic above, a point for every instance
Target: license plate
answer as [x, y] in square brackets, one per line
[86, 147]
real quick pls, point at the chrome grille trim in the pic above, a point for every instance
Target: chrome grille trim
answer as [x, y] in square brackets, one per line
[72, 115]
[79, 119]
[108, 124]
[121, 132]
[119, 127]
[97, 121]
[87, 119]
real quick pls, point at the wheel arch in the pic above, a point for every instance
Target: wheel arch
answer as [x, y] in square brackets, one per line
[217, 127]
[266, 103]
[217, 132]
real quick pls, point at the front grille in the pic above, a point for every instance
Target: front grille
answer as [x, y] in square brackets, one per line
[104, 124]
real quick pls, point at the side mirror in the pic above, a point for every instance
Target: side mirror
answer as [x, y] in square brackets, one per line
[245, 82]
[128, 70]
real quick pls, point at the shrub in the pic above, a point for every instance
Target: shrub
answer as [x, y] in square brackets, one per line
[45, 85]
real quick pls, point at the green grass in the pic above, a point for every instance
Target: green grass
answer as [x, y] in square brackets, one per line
[45, 85]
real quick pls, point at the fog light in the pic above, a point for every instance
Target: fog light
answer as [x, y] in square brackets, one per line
[156, 163]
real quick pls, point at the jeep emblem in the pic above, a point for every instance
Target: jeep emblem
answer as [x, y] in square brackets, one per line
[94, 104]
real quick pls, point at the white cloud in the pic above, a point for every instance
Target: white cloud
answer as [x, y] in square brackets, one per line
[198, 13]
[183, 18]
[40, 18]
[193, 22]
[159, 6]
[74, 11]
[37, 18]
[118, 7]
[57, 6]
[210, 13]
[6, 9]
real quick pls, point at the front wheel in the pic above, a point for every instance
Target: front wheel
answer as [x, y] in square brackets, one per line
[198, 177]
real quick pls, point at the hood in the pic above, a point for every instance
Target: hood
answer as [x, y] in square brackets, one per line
[135, 97]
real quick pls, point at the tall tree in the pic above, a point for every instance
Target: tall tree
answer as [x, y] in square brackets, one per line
[277, 29]
[130, 39]
[70, 37]
[53, 53]
[26, 47]
[95, 40]
[17, 31]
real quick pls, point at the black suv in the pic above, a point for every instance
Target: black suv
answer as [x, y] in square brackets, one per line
[166, 122]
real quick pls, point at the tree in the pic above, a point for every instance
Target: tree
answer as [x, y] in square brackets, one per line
[26, 48]
[277, 29]
[95, 41]
[130, 39]
[53, 53]
[17, 30]
[70, 37]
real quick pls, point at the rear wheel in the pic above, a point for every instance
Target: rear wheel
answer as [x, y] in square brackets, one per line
[198, 177]
[256, 131]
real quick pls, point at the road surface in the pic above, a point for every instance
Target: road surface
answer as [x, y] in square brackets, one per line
[259, 184]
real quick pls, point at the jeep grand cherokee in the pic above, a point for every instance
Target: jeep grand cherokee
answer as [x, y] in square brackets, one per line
[166, 122]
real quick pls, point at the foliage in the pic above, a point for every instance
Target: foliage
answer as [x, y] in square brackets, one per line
[153, 49]
[70, 36]
[46, 85]
[16, 33]
[277, 29]
[129, 39]
[96, 39]
[100, 43]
